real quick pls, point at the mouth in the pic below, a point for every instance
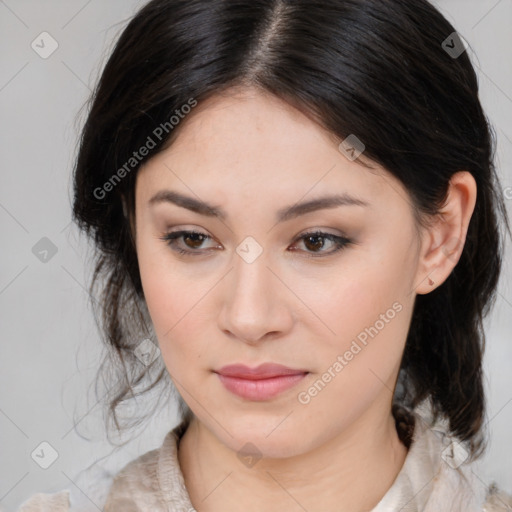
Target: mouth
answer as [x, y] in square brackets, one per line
[261, 383]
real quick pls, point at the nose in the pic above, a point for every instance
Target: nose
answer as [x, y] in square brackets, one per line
[256, 305]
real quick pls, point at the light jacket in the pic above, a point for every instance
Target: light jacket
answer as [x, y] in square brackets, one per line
[436, 477]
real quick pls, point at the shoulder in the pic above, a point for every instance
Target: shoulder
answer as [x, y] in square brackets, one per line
[435, 450]
[497, 500]
[41, 502]
[135, 485]
[136, 480]
[153, 481]
[87, 495]
[148, 482]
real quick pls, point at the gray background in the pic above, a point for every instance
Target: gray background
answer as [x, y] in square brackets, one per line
[49, 348]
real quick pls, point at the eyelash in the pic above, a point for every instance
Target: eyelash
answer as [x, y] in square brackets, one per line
[340, 241]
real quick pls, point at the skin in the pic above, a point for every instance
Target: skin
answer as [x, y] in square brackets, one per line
[251, 154]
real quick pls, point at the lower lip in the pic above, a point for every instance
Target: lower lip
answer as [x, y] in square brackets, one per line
[261, 389]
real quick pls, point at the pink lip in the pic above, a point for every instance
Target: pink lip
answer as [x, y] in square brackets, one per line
[261, 383]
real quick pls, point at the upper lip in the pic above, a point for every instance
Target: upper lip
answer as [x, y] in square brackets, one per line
[263, 371]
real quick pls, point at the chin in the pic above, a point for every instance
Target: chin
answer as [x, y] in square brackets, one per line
[265, 435]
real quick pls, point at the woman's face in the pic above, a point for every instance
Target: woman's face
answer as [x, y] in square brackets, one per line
[251, 289]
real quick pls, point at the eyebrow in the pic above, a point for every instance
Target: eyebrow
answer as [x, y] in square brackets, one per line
[284, 214]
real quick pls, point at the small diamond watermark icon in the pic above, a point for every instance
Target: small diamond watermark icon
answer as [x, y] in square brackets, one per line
[352, 147]
[44, 250]
[249, 455]
[454, 45]
[44, 45]
[44, 455]
[249, 249]
[454, 454]
[146, 351]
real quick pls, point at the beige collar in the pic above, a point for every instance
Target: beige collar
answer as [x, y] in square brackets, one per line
[435, 475]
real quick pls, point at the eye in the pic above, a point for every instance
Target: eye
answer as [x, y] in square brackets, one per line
[196, 238]
[314, 242]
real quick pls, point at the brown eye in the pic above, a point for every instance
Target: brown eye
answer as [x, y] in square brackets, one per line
[196, 239]
[316, 241]
[191, 239]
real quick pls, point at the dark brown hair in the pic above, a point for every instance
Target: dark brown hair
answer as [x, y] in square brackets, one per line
[374, 68]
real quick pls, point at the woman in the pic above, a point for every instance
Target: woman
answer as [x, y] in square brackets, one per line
[297, 202]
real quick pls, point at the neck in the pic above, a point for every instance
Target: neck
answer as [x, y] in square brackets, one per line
[352, 471]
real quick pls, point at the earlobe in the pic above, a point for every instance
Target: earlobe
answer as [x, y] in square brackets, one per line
[443, 241]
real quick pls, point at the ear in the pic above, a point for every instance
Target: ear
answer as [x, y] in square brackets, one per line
[442, 242]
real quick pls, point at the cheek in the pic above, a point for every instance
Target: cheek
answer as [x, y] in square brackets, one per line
[368, 311]
[173, 304]
[370, 329]
[361, 361]
[174, 315]
[355, 298]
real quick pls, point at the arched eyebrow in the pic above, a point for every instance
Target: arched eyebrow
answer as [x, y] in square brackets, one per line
[282, 215]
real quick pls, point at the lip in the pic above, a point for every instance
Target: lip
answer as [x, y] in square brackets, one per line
[260, 383]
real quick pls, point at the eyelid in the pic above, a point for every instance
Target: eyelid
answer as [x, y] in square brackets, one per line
[325, 231]
[339, 240]
[307, 231]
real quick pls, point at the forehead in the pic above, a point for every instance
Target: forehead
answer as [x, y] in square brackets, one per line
[251, 143]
